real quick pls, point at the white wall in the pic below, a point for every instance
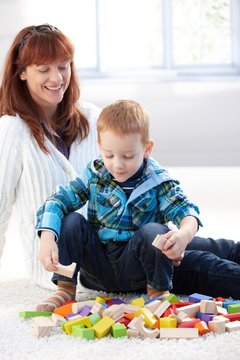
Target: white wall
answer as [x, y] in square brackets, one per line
[192, 122]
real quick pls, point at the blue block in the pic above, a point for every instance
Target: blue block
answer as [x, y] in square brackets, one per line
[204, 317]
[198, 297]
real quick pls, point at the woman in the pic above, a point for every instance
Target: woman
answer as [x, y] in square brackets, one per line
[47, 135]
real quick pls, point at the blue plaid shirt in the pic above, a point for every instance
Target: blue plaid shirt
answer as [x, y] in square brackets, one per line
[156, 198]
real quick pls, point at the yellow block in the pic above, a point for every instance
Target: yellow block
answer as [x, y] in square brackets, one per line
[138, 302]
[167, 322]
[149, 318]
[67, 326]
[103, 326]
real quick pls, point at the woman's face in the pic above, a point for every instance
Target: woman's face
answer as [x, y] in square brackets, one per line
[47, 84]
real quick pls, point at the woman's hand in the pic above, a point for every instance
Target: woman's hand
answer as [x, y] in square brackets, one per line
[48, 252]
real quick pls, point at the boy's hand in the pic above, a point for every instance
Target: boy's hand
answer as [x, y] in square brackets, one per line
[48, 252]
[173, 245]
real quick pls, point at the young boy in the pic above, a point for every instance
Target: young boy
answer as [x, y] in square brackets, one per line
[130, 199]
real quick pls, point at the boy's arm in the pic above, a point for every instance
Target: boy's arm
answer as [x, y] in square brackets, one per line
[175, 207]
[65, 200]
[175, 241]
[48, 252]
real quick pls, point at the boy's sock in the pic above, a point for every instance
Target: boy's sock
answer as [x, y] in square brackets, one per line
[66, 291]
[153, 293]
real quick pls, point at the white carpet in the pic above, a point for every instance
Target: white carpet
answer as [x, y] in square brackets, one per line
[216, 190]
[18, 342]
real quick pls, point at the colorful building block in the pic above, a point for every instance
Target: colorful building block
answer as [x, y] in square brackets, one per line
[30, 314]
[119, 330]
[82, 332]
[66, 270]
[103, 327]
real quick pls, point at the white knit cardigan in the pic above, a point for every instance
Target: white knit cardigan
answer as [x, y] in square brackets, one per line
[28, 176]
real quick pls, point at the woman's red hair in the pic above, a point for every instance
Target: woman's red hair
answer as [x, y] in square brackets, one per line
[37, 45]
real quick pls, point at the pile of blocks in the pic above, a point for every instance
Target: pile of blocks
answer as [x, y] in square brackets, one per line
[161, 318]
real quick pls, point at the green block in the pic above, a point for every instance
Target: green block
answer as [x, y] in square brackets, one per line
[233, 308]
[82, 332]
[172, 299]
[119, 330]
[94, 318]
[29, 314]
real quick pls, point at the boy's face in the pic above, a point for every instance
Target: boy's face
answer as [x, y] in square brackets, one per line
[123, 154]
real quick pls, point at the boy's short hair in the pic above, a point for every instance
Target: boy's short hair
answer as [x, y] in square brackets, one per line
[124, 117]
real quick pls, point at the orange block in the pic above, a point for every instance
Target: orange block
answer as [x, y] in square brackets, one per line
[202, 327]
[65, 309]
[129, 316]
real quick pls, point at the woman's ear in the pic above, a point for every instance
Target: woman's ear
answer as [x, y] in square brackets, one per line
[148, 149]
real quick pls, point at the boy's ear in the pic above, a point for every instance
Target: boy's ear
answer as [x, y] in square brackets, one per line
[148, 149]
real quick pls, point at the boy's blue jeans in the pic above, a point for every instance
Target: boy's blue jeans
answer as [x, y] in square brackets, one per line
[209, 267]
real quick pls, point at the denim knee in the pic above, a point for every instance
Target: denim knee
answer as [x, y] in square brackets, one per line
[151, 230]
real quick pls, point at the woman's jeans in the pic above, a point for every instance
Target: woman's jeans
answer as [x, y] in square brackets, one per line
[209, 267]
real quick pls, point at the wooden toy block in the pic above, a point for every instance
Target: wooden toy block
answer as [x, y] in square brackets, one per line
[178, 333]
[123, 320]
[71, 317]
[133, 332]
[94, 318]
[130, 309]
[138, 302]
[67, 326]
[159, 241]
[172, 298]
[217, 326]
[66, 270]
[57, 319]
[82, 332]
[198, 297]
[221, 310]
[76, 327]
[136, 322]
[220, 318]
[129, 316]
[85, 310]
[114, 301]
[226, 303]
[232, 317]
[189, 323]
[119, 330]
[183, 303]
[219, 298]
[97, 308]
[30, 314]
[232, 326]
[146, 332]
[233, 308]
[103, 327]
[181, 316]
[204, 317]
[167, 322]
[77, 306]
[163, 306]
[190, 310]
[114, 311]
[64, 310]
[42, 326]
[153, 305]
[202, 327]
[100, 300]
[208, 307]
[149, 318]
